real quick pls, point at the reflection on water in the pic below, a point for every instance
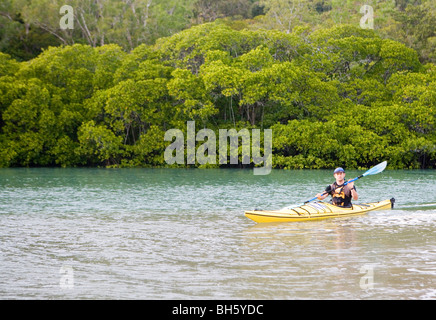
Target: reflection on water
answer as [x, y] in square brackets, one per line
[181, 234]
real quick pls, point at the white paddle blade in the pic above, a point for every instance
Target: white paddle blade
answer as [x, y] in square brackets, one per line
[377, 169]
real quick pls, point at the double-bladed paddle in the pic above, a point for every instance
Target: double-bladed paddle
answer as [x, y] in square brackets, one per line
[374, 170]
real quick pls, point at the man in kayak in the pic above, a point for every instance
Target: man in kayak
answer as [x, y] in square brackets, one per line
[341, 195]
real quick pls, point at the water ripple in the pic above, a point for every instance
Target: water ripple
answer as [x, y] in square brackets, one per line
[181, 234]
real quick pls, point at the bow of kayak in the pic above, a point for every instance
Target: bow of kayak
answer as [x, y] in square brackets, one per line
[315, 211]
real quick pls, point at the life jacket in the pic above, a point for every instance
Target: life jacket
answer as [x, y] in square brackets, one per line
[341, 195]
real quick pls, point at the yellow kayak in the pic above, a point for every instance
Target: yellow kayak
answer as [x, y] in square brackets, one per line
[316, 210]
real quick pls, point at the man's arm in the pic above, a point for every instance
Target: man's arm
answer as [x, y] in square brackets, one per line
[322, 196]
[354, 194]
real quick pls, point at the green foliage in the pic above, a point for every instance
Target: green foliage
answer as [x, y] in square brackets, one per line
[334, 96]
[28, 27]
[99, 143]
[8, 66]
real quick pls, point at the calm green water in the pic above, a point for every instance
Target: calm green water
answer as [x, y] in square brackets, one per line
[181, 234]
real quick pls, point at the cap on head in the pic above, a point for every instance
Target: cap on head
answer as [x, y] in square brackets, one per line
[338, 170]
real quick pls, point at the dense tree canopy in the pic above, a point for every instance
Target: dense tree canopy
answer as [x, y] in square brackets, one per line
[27, 27]
[334, 96]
